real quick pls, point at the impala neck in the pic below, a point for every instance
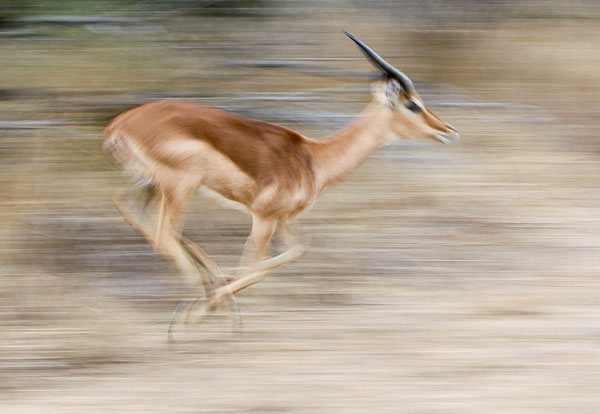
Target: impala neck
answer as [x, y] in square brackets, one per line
[341, 154]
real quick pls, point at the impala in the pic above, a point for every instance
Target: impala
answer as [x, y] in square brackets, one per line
[175, 148]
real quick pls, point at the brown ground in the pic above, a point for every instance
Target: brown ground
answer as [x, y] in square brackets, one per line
[440, 279]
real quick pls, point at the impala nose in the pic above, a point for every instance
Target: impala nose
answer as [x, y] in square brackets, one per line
[450, 135]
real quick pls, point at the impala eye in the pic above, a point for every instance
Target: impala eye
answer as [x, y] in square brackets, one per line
[413, 106]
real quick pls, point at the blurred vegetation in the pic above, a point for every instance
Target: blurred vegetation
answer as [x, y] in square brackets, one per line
[15, 9]
[20, 8]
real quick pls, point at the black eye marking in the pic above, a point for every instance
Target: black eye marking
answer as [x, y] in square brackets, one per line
[413, 106]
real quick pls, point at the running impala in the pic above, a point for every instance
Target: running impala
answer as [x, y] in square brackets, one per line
[174, 148]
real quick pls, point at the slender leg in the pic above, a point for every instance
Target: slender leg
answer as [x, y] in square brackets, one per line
[262, 232]
[162, 228]
[259, 271]
[221, 280]
[137, 207]
[183, 251]
[158, 212]
[161, 216]
[260, 236]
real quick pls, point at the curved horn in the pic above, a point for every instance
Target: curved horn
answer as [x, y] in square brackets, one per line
[383, 65]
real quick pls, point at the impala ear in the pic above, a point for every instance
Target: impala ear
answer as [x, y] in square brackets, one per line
[392, 92]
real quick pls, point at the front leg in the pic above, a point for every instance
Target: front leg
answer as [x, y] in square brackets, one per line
[261, 234]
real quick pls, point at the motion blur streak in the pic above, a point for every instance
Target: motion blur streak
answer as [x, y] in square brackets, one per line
[457, 278]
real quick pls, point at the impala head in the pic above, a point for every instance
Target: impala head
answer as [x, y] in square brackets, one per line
[411, 118]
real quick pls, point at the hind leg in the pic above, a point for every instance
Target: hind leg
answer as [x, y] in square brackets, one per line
[158, 211]
[157, 214]
[174, 202]
[138, 206]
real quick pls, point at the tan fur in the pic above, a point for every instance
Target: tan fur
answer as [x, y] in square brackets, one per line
[276, 173]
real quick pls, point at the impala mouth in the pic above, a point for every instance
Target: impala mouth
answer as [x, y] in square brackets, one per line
[447, 137]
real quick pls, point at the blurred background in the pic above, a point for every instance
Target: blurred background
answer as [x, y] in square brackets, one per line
[457, 278]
